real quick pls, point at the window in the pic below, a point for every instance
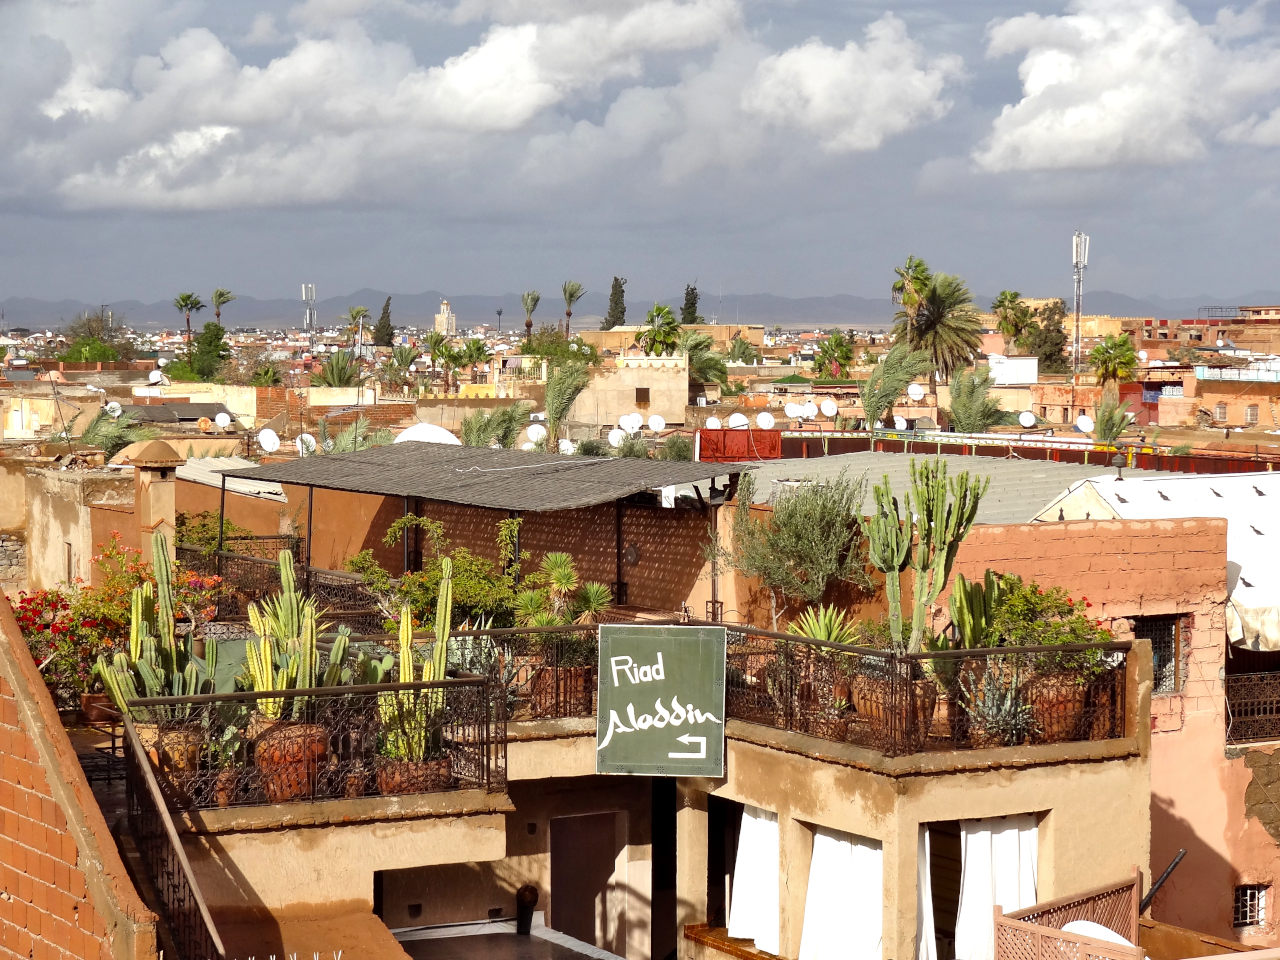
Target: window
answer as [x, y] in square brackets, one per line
[642, 394]
[1165, 634]
[1251, 414]
[1250, 908]
[1220, 411]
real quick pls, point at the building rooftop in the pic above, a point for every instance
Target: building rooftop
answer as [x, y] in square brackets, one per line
[1020, 489]
[482, 477]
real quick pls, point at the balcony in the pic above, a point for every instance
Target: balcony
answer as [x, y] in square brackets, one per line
[1253, 374]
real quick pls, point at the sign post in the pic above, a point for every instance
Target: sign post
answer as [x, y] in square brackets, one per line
[661, 701]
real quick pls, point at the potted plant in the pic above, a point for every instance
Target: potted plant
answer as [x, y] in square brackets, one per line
[225, 752]
[414, 758]
[998, 714]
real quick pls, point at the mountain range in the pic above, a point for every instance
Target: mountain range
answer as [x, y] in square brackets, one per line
[417, 309]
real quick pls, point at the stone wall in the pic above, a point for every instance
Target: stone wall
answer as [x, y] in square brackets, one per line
[13, 563]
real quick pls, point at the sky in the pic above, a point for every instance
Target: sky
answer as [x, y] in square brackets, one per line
[797, 147]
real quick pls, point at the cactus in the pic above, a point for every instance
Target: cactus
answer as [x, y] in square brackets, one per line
[996, 708]
[888, 547]
[412, 728]
[973, 606]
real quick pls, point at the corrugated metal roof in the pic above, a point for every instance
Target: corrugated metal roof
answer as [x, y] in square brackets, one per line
[481, 477]
[209, 470]
[175, 412]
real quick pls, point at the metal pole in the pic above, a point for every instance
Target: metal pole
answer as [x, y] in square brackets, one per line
[311, 494]
[1151, 894]
[404, 542]
[620, 588]
[222, 509]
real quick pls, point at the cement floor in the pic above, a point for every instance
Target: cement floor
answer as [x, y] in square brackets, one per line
[490, 946]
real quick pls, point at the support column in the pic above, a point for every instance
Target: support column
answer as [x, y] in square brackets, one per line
[900, 850]
[795, 852]
[691, 854]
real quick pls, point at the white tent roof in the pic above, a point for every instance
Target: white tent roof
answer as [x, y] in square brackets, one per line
[208, 470]
[1249, 502]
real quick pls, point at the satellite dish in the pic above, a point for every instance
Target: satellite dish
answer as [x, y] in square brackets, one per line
[566, 447]
[793, 411]
[114, 409]
[1084, 423]
[268, 440]
[413, 368]
[1027, 418]
[155, 376]
[1220, 343]
[306, 444]
[616, 436]
[899, 423]
[537, 416]
[1142, 355]
[657, 423]
[738, 421]
[537, 432]
[526, 446]
[713, 423]
[427, 433]
[828, 408]
[223, 420]
[764, 420]
[915, 392]
[810, 410]
[163, 362]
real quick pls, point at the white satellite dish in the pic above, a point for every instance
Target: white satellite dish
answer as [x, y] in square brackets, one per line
[427, 433]
[657, 423]
[635, 422]
[566, 447]
[223, 420]
[114, 409]
[306, 444]
[764, 420]
[1027, 418]
[163, 362]
[738, 421]
[713, 423]
[810, 410]
[793, 410]
[537, 432]
[155, 376]
[915, 392]
[828, 408]
[899, 423]
[1084, 423]
[526, 446]
[268, 440]
[537, 416]
[1142, 355]
[616, 436]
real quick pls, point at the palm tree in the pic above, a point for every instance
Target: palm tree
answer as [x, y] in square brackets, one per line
[573, 292]
[973, 409]
[661, 333]
[897, 368]
[221, 297]
[835, 356]
[450, 360]
[472, 355]
[433, 342]
[112, 434]
[266, 375]
[404, 355]
[908, 290]
[355, 322]
[187, 304]
[563, 386]
[359, 435]
[529, 301]
[1114, 360]
[483, 428]
[1013, 318]
[944, 325]
[1110, 420]
[338, 370]
[705, 365]
[741, 351]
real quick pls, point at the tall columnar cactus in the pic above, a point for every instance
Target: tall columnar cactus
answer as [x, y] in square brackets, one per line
[973, 606]
[925, 536]
[411, 719]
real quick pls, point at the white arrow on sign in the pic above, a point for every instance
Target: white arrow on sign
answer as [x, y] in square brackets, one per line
[689, 740]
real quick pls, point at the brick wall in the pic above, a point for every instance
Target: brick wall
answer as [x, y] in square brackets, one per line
[64, 892]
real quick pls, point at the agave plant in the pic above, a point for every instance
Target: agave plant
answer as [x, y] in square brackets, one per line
[554, 595]
[826, 623]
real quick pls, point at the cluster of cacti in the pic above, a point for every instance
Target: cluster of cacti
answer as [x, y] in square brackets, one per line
[924, 535]
[157, 664]
[973, 606]
[411, 721]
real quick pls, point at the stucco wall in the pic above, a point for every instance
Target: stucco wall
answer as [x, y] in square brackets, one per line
[58, 503]
[611, 393]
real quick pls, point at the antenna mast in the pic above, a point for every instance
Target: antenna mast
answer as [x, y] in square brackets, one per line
[309, 314]
[1079, 261]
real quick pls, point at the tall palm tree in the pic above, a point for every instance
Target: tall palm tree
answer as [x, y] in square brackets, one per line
[338, 370]
[355, 321]
[433, 341]
[1114, 361]
[1013, 318]
[741, 351]
[472, 355]
[450, 360]
[529, 301]
[835, 356]
[908, 290]
[573, 292]
[661, 333]
[944, 325]
[221, 297]
[705, 365]
[896, 369]
[563, 386]
[187, 304]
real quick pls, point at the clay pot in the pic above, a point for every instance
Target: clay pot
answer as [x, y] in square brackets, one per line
[97, 708]
[1057, 708]
[414, 776]
[173, 752]
[225, 786]
[288, 757]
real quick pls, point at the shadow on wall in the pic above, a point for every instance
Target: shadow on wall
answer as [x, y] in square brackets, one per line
[1201, 887]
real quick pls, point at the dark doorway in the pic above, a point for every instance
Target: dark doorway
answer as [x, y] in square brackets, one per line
[944, 873]
[587, 900]
[662, 911]
[724, 821]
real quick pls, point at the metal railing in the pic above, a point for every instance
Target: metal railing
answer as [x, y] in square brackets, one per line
[542, 673]
[253, 748]
[184, 911]
[1036, 932]
[1253, 707]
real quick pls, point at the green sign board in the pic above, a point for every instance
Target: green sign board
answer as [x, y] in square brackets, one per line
[661, 704]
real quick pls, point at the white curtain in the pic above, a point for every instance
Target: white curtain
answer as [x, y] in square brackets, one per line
[753, 905]
[844, 903]
[926, 936]
[998, 866]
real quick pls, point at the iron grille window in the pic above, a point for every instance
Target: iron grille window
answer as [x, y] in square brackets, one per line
[1251, 414]
[1166, 661]
[1220, 411]
[1250, 907]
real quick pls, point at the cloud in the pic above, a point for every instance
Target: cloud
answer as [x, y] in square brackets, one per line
[1126, 82]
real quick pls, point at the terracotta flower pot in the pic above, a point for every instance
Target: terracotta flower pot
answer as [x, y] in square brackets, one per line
[288, 757]
[414, 776]
[1057, 708]
[225, 786]
[96, 708]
